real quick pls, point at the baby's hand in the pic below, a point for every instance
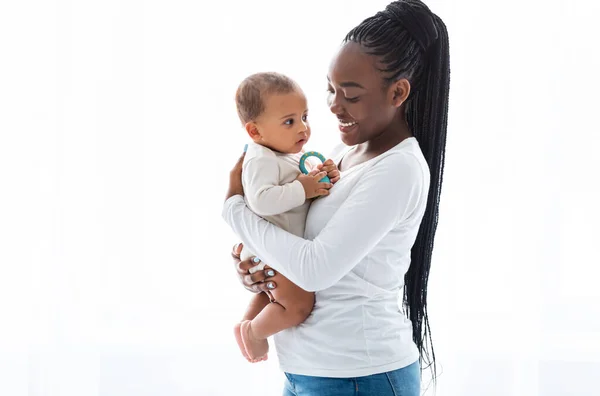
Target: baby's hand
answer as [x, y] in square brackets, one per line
[312, 187]
[332, 171]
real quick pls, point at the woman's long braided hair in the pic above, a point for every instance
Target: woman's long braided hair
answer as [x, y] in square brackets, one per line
[412, 43]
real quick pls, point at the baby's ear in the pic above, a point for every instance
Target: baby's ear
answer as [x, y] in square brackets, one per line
[252, 130]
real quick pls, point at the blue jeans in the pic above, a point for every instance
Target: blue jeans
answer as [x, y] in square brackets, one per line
[402, 382]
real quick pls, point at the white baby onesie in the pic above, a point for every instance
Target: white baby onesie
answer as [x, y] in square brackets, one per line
[272, 191]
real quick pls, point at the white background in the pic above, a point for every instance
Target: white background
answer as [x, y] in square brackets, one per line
[117, 133]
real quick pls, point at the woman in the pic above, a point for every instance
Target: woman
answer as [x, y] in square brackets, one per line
[374, 233]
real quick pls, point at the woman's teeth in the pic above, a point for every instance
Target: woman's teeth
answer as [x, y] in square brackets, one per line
[347, 124]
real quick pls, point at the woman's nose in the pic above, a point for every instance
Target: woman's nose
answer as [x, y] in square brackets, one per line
[334, 106]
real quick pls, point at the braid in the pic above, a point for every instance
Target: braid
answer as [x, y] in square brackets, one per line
[412, 43]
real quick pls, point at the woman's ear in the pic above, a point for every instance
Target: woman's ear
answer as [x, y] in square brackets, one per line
[399, 92]
[252, 130]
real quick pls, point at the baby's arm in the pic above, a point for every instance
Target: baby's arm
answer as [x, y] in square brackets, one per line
[266, 197]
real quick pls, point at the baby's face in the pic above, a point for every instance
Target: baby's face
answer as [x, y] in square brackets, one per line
[283, 126]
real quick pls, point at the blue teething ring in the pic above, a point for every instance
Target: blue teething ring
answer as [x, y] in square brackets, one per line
[312, 154]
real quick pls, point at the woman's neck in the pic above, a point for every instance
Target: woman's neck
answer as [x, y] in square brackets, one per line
[391, 136]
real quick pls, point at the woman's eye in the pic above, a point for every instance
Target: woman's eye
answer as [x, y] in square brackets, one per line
[351, 100]
[330, 91]
[329, 98]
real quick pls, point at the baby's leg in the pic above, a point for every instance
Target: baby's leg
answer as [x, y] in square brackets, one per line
[257, 304]
[291, 307]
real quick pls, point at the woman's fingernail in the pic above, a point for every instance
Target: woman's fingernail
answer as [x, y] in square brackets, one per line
[256, 260]
[271, 273]
[236, 247]
[270, 285]
[245, 148]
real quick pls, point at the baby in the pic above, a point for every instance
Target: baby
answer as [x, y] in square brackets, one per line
[273, 110]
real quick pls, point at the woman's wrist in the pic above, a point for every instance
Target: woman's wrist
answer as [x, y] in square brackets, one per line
[236, 186]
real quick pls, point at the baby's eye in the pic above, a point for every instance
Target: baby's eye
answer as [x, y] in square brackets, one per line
[289, 122]
[305, 117]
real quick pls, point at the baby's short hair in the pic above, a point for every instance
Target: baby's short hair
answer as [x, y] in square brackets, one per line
[251, 93]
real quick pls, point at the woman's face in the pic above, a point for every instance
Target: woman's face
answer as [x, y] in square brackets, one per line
[364, 107]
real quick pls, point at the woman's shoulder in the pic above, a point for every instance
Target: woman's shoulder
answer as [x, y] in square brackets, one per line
[403, 162]
[407, 154]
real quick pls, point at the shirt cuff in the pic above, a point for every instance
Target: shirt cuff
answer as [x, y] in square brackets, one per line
[231, 201]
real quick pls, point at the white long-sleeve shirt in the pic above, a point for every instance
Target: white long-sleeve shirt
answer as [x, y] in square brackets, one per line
[272, 191]
[355, 254]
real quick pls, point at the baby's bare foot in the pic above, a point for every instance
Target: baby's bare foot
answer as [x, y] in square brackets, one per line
[238, 337]
[255, 348]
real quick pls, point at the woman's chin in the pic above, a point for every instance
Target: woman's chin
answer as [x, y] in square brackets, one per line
[349, 139]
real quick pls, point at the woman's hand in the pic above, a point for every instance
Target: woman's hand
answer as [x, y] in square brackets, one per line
[332, 171]
[235, 179]
[259, 281]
